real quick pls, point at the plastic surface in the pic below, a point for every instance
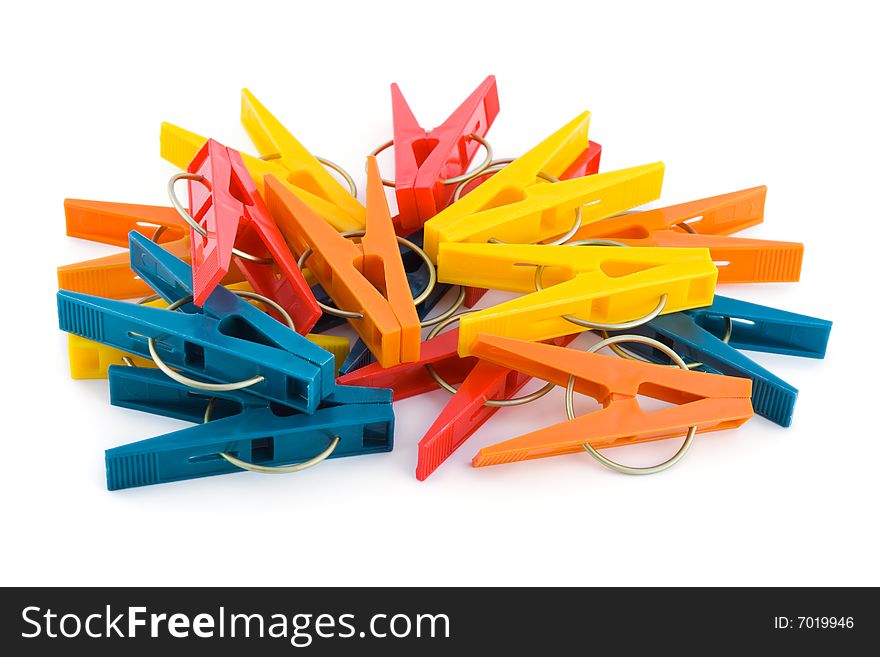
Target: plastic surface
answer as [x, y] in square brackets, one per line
[696, 335]
[709, 401]
[423, 159]
[254, 431]
[368, 278]
[739, 260]
[110, 223]
[231, 211]
[604, 284]
[515, 207]
[289, 162]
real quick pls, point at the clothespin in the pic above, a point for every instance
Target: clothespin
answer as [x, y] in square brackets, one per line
[359, 355]
[426, 160]
[110, 223]
[739, 260]
[286, 159]
[224, 202]
[352, 421]
[230, 342]
[708, 401]
[368, 280]
[410, 379]
[584, 287]
[90, 360]
[417, 275]
[586, 164]
[514, 206]
[700, 335]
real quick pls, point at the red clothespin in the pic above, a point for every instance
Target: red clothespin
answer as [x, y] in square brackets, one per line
[110, 223]
[425, 160]
[708, 401]
[411, 379]
[225, 203]
[739, 259]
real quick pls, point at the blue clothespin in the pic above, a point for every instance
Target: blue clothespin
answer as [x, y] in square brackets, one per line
[699, 335]
[241, 425]
[230, 342]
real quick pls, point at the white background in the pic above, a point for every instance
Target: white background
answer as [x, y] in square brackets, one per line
[782, 94]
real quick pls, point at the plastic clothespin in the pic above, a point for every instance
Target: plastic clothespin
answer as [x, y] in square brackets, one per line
[598, 284]
[709, 401]
[411, 379]
[286, 159]
[368, 279]
[586, 164]
[514, 206]
[242, 425]
[739, 260]
[425, 159]
[110, 223]
[698, 335]
[227, 206]
[417, 274]
[467, 410]
[90, 360]
[231, 340]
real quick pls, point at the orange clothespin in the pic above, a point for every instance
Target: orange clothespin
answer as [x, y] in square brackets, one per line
[110, 223]
[709, 402]
[707, 223]
[368, 280]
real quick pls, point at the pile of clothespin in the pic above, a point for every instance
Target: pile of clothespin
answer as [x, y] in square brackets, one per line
[236, 289]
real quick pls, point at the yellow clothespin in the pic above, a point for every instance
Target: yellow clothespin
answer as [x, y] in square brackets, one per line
[597, 287]
[517, 206]
[90, 360]
[282, 156]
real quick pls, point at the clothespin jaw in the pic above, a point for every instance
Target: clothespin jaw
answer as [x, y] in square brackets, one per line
[180, 146]
[110, 223]
[708, 401]
[369, 280]
[258, 436]
[411, 379]
[697, 335]
[424, 160]
[597, 284]
[227, 206]
[305, 171]
[467, 411]
[240, 347]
